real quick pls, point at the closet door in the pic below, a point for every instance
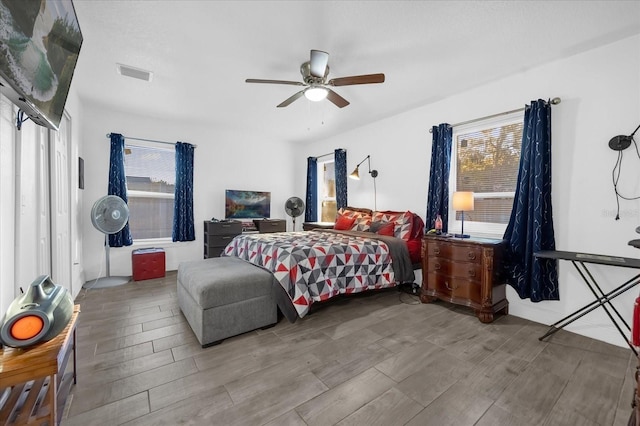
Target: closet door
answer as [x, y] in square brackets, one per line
[8, 283]
[60, 204]
[43, 220]
[33, 236]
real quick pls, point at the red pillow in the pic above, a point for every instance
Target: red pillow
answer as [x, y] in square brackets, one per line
[386, 229]
[344, 223]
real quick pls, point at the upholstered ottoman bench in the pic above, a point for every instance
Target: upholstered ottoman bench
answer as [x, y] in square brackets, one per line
[225, 296]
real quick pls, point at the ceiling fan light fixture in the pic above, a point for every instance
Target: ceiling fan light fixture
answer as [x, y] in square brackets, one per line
[315, 93]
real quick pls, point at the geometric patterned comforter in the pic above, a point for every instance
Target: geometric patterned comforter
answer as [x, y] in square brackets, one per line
[314, 266]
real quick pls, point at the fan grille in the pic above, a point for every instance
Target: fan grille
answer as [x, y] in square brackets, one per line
[109, 214]
[294, 207]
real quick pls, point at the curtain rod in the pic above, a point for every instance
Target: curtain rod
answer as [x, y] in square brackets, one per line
[149, 140]
[323, 155]
[554, 101]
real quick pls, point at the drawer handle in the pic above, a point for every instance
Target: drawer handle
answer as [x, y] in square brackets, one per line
[226, 237]
[437, 266]
[446, 284]
[436, 250]
[225, 226]
[472, 272]
[471, 255]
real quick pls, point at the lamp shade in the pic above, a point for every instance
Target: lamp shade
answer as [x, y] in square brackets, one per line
[463, 201]
[355, 174]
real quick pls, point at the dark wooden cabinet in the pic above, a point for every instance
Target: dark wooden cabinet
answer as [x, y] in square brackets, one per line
[266, 226]
[634, 420]
[465, 272]
[308, 226]
[217, 235]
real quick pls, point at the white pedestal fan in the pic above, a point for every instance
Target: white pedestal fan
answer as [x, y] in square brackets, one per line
[108, 215]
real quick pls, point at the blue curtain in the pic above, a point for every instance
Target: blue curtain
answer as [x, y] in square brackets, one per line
[183, 227]
[118, 186]
[340, 163]
[530, 227]
[438, 195]
[311, 211]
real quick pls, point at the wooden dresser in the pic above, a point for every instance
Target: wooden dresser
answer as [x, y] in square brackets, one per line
[217, 235]
[465, 272]
[634, 420]
[267, 226]
[310, 226]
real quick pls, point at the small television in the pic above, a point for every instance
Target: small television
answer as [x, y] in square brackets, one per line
[39, 46]
[247, 204]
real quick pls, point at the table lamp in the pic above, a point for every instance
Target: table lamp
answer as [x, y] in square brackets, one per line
[462, 201]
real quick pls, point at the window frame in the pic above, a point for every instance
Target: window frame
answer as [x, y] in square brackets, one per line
[149, 194]
[479, 229]
[320, 172]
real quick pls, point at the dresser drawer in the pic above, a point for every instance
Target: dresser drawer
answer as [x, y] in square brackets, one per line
[267, 226]
[455, 253]
[212, 251]
[455, 288]
[218, 240]
[439, 284]
[222, 228]
[467, 270]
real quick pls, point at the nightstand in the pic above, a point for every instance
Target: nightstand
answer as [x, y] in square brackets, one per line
[266, 226]
[308, 226]
[466, 272]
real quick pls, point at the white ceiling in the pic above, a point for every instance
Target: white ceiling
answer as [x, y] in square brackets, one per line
[201, 52]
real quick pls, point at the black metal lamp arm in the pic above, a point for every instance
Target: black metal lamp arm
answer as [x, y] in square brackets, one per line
[373, 173]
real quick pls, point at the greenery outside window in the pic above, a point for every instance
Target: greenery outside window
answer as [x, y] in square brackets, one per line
[486, 158]
[151, 176]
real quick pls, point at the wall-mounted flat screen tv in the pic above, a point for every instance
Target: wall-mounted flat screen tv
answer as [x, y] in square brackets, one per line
[39, 45]
[247, 204]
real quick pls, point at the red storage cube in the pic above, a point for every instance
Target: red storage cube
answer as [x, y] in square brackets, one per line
[148, 263]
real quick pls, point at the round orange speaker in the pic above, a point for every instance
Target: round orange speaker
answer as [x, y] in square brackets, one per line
[27, 327]
[38, 315]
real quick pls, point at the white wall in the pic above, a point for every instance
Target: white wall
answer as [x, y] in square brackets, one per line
[222, 161]
[600, 93]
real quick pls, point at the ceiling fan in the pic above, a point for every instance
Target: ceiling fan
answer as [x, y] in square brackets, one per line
[314, 75]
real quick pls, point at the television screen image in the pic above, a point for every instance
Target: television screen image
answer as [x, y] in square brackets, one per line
[247, 204]
[39, 46]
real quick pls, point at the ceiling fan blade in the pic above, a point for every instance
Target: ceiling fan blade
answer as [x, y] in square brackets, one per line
[257, 80]
[318, 64]
[336, 99]
[288, 101]
[357, 79]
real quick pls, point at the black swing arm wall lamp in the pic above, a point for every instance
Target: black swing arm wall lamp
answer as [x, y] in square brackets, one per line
[356, 174]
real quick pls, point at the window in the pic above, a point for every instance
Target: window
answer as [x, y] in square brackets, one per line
[486, 160]
[151, 178]
[327, 191]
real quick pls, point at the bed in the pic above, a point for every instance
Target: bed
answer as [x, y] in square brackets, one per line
[366, 251]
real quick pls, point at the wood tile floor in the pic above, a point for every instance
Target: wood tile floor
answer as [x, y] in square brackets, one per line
[380, 358]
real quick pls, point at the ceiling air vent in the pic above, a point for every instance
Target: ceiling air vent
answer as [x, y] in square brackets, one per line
[132, 72]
